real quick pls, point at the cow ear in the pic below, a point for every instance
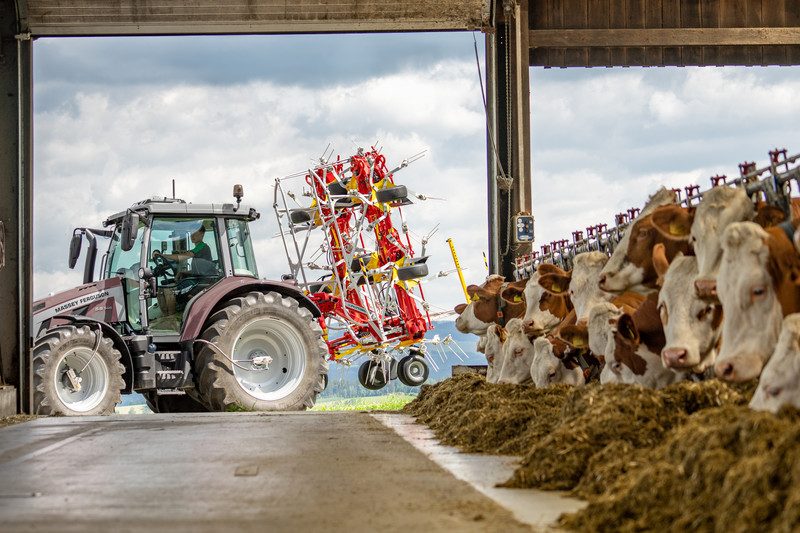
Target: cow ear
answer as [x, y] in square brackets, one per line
[768, 216]
[513, 294]
[627, 329]
[673, 221]
[557, 284]
[660, 262]
[576, 335]
[502, 333]
[548, 268]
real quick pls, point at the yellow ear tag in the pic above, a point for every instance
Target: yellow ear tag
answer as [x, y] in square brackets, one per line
[475, 298]
[577, 341]
[556, 288]
[517, 298]
[675, 229]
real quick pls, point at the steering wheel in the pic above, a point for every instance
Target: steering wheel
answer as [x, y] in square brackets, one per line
[164, 266]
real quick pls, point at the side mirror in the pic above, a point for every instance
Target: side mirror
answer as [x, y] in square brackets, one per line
[130, 228]
[75, 248]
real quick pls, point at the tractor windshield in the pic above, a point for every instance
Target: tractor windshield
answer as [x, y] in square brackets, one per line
[126, 266]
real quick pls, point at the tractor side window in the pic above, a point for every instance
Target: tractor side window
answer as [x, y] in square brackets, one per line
[126, 266]
[244, 262]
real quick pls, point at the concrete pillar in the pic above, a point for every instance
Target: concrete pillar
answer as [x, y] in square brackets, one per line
[508, 95]
[16, 161]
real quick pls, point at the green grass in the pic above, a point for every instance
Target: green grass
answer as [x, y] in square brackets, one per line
[369, 403]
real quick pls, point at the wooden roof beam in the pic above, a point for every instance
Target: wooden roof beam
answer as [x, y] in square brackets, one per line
[664, 37]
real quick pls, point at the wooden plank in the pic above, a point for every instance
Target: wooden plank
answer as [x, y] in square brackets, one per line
[556, 10]
[753, 19]
[654, 56]
[671, 18]
[710, 18]
[635, 19]
[793, 19]
[598, 17]
[617, 18]
[690, 18]
[667, 37]
[575, 17]
[774, 16]
[733, 14]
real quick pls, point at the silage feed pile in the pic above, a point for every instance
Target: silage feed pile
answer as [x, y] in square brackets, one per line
[690, 457]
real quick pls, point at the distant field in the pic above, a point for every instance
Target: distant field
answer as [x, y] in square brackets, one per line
[370, 403]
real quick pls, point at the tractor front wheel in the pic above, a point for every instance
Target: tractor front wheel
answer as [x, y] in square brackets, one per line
[261, 352]
[76, 371]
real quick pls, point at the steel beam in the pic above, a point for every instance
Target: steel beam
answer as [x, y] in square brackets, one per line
[15, 201]
[509, 166]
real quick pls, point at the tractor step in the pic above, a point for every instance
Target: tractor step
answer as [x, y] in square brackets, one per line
[168, 356]
[170, 392]
[169, 378]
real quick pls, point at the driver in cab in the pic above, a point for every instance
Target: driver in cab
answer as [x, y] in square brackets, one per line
[200, 250]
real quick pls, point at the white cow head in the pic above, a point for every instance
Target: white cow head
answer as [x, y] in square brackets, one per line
[584, 290]
[549, 366]
[692, 326]
[753, 312]
[491, 344]
[517, 355]
[779, 383]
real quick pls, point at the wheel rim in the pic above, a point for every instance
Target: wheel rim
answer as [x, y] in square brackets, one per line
[94, 379]
[415, 370]
[281, 342]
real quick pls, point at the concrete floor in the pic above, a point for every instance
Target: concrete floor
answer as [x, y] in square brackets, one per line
[321, 471]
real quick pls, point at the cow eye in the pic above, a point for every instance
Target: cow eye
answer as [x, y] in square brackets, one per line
[702, 315]
[517, 352]
[552, 376]
[757, 292]
[616, 366]
[773, 392]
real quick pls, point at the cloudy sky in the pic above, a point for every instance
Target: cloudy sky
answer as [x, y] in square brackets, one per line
[116, 120]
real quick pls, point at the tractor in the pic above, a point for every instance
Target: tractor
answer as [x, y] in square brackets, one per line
[179, 315]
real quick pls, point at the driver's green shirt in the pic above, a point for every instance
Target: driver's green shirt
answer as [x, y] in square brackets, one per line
[201, 251]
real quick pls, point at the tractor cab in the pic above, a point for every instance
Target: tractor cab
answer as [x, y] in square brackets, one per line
[166, 252]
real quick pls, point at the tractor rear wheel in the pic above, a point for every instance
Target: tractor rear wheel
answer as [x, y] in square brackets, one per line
[262, 352]
[76, 371]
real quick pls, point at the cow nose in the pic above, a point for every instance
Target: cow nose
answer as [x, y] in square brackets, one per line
[674, 357]
[706, 289]
[460, 308]
[725, 370]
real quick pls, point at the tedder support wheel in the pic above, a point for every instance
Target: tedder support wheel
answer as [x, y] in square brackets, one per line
[248, 328]
[74, 374]
[412, 370]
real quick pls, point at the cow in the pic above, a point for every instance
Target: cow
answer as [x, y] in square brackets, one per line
[692, 326]
[582, 283]
[720, 207]
[491, 345]
[633, 345]
[555, 361]
[487, 307]
[757, 287]
[545, 310]
[516, 355]
[779, 383]
[630, 267]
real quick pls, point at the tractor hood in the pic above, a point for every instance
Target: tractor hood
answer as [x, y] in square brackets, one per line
[101, 300]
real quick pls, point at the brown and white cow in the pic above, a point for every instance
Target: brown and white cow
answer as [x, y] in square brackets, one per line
[582, 283]
[692, 326]
[779, 383]
[630, 267]
[487, 307]
[757, 285]
[633, 351]
[545, 310]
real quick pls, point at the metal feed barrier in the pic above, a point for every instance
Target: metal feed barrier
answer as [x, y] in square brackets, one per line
[771, 184]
